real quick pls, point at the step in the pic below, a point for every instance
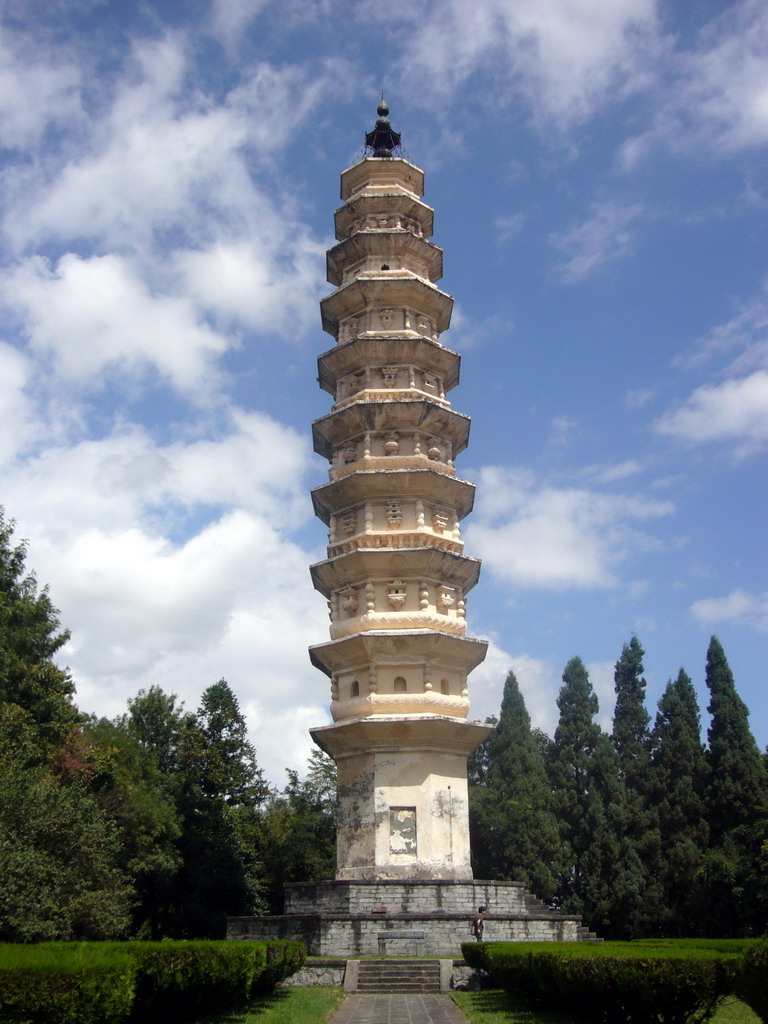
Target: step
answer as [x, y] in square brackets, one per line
[398, 976]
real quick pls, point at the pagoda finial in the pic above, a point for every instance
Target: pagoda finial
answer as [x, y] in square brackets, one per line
[382, 140]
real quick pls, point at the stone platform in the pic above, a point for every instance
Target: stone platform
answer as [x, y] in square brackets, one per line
[407, 919]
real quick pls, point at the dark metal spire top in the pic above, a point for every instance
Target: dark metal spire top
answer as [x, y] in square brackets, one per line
[382, 140]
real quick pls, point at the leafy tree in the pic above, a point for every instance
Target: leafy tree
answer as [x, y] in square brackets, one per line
[679, 772]
[157, 721]
[515, 832]
[300, 828]
[30, 636]
[132, 793]
[58, 851]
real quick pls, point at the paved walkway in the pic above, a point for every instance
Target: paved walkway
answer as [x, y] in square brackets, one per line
[398, 1009]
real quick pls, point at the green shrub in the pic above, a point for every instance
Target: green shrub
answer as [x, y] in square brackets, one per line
[64, 984]
[182, 981]
[283, 958]
[108, 982]
[641, 983]
[752, 986]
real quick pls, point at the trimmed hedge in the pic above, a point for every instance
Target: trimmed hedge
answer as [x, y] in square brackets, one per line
[172, 982]
[753, 983]
[64, 985]
[641, 983]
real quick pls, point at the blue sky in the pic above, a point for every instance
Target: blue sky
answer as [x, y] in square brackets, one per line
[597, 170]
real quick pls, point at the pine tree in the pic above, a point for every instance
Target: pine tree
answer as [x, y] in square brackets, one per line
[736, 783]
[737, 808]
[220, 798]
[630, 718]
[515, 833]
[631, 740]
[679, 772]
[603, 872]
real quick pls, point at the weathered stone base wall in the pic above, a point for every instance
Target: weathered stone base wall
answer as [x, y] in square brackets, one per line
[353, 919]
[441, 936]
[413, 897]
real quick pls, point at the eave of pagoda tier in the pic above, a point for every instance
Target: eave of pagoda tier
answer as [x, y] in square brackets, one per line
[399, 672]
[422, 563]
[380, 251]
[373, 176]
[362, 363]
[394, 302]
[404, 426]
[425, 486]
[394, 212]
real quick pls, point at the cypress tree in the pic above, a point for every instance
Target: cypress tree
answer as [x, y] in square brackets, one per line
[736, 799]
[631, 740]
[736, 782]
[602, 873]
[630, 719]
[679, 771]
[515, 833]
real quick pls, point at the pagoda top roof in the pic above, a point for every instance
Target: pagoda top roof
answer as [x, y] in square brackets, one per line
[383, 139]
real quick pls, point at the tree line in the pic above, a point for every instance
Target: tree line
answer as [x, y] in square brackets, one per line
[159, 822]
[643, 831]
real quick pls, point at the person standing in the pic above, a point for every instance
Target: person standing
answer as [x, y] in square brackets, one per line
[478, 924]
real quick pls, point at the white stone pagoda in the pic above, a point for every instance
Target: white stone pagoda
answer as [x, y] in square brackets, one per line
[396, 577]
[396, 580]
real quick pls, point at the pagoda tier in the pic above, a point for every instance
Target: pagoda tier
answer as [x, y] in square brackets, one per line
[378, 364]
[396, 577]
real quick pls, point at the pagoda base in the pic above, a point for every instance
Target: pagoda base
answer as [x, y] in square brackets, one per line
[415, 918]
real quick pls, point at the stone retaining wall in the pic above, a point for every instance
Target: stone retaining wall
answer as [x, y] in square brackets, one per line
[360, 936]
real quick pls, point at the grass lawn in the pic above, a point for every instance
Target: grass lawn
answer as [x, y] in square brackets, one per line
[286, 1006]
[493, 1006]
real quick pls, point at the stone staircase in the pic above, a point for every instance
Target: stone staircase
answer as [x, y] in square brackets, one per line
[398, 976]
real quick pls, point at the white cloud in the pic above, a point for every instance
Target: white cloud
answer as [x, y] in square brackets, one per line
[736, 410]
[611, 472]
[130, 479]
[250, 284]
[603, 238]
[92, 314]
[230, 18]
[233, 601]
[714, 96]
[16, 409]
[738, 606]
[533, 534]
[563, 428]
[746, 333]
[172, 565]
[566, 57]
[38, 88]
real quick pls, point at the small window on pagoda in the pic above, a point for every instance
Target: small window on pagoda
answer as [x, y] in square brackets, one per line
[354, 690]
[445, 686]
[384, 266]
[400, 685]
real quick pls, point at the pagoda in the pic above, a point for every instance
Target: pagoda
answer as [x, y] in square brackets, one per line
[396, 580]
[396, 577]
